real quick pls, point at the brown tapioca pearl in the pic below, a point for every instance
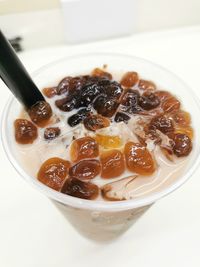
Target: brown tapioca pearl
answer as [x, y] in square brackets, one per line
[77, 118]
[67, 103]
[40, 113]
[149, 101]
[88, 93]
[133, 110]
[146, 85]
[130, 102]
[182, 145]
[129, 79]
[130, 97]
[83, 148]
[101, 73]
[139, 159]
[113, 90]
[181, 118]
[162, 123]
[69, 85]
[53, 172]
[65, 86]
[51, 133]
[95, 122]
[77, 188]
[185, 130]
[85, 169]
[106, 106]
[113, 164]
[120, 116]
[170, 104]
[25, 131]
[74, 120]
[50, 91]
[162, 95]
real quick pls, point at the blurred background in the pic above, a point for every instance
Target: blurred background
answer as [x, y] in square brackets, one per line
[53, 22]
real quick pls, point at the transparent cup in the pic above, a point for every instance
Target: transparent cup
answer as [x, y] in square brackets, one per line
[104, 220]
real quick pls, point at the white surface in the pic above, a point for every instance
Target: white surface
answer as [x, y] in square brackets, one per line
[33, 233]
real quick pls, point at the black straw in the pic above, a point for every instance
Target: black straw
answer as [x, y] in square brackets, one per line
[15, 76]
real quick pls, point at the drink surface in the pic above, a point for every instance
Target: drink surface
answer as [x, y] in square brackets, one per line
[137, 138]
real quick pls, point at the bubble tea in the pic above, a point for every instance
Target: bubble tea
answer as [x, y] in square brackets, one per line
[105, 139]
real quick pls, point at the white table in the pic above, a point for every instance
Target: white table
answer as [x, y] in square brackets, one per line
[33, 233]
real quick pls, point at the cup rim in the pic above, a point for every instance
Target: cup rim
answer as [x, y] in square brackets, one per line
[95, 204]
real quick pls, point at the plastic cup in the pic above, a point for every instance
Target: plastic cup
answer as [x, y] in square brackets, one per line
[101, 220]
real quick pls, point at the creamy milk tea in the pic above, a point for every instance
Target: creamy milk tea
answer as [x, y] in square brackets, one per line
[104, 137]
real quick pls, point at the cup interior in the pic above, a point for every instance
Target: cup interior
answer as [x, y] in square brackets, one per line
[52, 73]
